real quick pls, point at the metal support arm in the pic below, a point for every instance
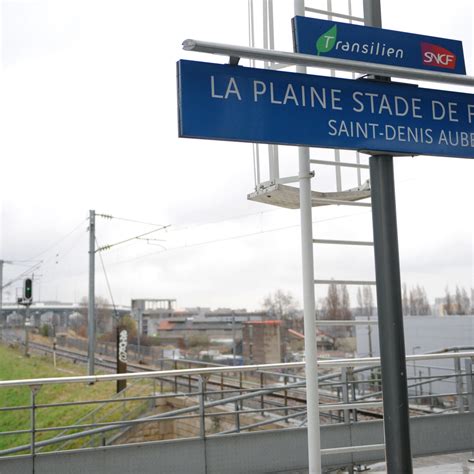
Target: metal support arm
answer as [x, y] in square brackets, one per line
[298, 59]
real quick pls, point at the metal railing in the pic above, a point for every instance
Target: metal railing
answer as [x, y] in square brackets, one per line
[223, 400]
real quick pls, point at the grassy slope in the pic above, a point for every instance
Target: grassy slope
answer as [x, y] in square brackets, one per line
[13, 365]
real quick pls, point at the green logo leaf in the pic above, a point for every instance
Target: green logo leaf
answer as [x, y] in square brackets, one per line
[327, 40]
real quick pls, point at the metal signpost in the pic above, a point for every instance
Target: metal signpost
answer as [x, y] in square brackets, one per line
[373, 115]
[389, 301]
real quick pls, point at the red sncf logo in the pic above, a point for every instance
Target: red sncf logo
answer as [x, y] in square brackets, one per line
[434, 55]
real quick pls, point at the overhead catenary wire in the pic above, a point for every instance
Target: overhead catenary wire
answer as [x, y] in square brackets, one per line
[135, 221]
[171, 228]
[235, 237]
[210, 242]
[23, 274]
[60, 240]
[58, 260]
[136, 237]
[39, 263]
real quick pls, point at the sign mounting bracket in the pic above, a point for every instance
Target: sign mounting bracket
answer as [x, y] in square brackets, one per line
[299, 59]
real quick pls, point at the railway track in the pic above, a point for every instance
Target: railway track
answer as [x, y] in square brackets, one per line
[216, 385]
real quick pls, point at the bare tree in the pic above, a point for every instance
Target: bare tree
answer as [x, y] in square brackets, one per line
[365, 300]
[448, 302]
[366, 304]
[405, 301]
[466, 301]
[128, 323]
[462, 303]
[103, 313]
[425, 305]
[360, 301]
[369, 304]
[338, 307]
[346, 313]
[333, 303]
[411, 303]
[281, 305]
[458, 301]
[418, 302]
[368, 300]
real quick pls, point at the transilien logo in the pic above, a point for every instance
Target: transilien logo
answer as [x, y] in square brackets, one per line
[327, 41]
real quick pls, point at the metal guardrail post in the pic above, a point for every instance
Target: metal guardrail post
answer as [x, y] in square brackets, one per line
[161, 380]
[470, 391]
[420, 378]
[240, 391]
[175, 377]
[262, 398]
[202, 408]
[97, 437]
[353, 392]
[430, 386]
[34, 390]
[459, 385]
[285, 381]
[345, 393]
[189, 378]
[123, 395]
[237, 417]
[469, 384]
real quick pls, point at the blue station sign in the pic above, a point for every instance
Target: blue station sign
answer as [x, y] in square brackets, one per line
[377, 45]
[236, 103]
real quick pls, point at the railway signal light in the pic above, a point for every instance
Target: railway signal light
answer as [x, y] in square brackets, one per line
[28, 289]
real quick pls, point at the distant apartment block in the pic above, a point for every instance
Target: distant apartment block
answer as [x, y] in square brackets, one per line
[149, 312]
[161, 317]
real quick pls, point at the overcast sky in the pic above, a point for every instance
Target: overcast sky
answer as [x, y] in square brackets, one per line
[89, 122]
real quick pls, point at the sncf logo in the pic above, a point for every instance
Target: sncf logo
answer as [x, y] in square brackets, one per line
[434, 55]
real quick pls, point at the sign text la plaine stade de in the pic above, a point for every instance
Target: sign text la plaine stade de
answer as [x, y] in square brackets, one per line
[226, 102]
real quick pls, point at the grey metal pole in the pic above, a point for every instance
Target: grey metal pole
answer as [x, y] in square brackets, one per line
[34, 390]
[309, 302]
[389, 303]
[414, 370]
[202, 408]
[91, 307]
[139, 335]
[389, 300]
[234, 349]
[470, 392]
[459, 385]
[369, 316]
[312, 389]
[27, 329]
